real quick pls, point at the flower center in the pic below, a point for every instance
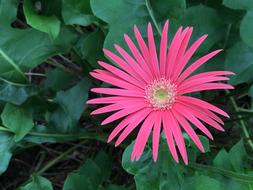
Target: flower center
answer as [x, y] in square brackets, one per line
[160, 94]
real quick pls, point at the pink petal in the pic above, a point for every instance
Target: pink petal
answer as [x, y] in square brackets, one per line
[188, 129]
[110, 79]
[181, 53]
[156, 135]
[118, 92]
[133, 124]
[190, 117]
[203, 110]
[172, 53]
[177, 133]
[118, 106]
[152, 51]
[137, 55]
[168, 133]
[142, 136]
[207, 86]
[113, 99]
[203, 117]
[143, 47]
[123, 113]
[120, 127]
[189, 54]
[201, 103]
[121, 74]
[123, 65]
[142, 74]
[197, 64]
[211, 73]
[133, 118]
[190, 83]
[163, 48]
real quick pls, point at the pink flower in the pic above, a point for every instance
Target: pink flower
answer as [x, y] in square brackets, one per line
[151, 92]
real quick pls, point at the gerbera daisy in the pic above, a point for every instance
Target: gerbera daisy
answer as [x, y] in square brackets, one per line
[151, 92]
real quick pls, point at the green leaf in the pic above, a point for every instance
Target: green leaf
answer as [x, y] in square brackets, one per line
[87, 176]
[237, 156]
[21, 50]
[168, 9]
[90, 175]
[121, 17]
[47, 24]
[38, 183]
[71, 106]
[205, 182]
[10, 70]
[246, 28]
[149, 175]
[77, 12]
[57, 79]
[15, 94]
[90, 51]
[222, 160]
[6, 143]
[204, 21]
[18, 119]
[8, 12]
[234, 160]
[115, 187]
[104, 163]
[239, 60]
[242, 4]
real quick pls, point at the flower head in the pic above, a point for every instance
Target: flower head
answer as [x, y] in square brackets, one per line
[151, 92]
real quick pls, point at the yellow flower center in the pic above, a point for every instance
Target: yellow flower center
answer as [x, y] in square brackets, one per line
[160, 94]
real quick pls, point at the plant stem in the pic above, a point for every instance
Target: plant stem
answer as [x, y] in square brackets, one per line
[241, 121]
[226, 173]
[57, 159]
[150, 11]
[63, 136]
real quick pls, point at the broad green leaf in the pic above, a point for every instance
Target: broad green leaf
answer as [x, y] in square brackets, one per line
[204, 21]
[149, 175]
[10, 70]
[222, 160]
[104, 163]
[234, 160]
[18, 119]
[134, 167]
[71, 104]
[49, 8]
[250, 93]
[47, 24]
[21, 50]
[15, 94]
[90, 51]
[77, 12]
[241, 4]
[115, 187]
[168, 9]
[38, 183]
[90, 175]
[246, 28]
[57, 79]
[237, 156]
[239, 60]
[6, 143]
[205, 182]
[121, 15]
[8, 12]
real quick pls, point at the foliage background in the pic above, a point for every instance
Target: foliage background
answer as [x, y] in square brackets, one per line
[47, 138]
